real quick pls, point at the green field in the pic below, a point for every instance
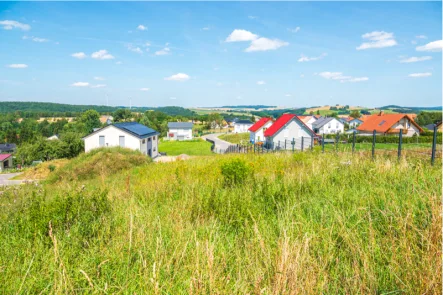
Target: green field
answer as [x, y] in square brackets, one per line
[235, 138]
[304, 223]
[195, 147]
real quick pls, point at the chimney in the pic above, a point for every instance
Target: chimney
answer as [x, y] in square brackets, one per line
[381, 113]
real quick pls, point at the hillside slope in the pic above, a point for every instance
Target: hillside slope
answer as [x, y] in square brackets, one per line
[239, 224]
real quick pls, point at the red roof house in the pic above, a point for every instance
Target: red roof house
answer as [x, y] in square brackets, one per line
[256, 131]
[390, 124]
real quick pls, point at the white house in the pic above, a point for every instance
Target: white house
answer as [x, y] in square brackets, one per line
[256, 131]
[242, 126]
[5, 161]
[180, 130]
[308, 120]
[131, 135]
[328, 125]
[354, 122]
[288, 129]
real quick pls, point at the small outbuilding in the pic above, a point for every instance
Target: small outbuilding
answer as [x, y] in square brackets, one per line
[5, 161]
[242, 126]
[180, 130]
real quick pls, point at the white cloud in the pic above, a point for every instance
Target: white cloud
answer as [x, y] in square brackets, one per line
[305, 58]
[134, 49]
[102, 54]
[413, 42]
[142, 28]
[252, 17]
[35, 39]
[302, 76]
[144, 89]
[261, 82]
[178, 77]
[415, 59]
[12, 24]
[378, 39]
[206, 28]
[339, 76]
[18, 66]
[288, 95]
[420, 75]
[99, 78]
[118, 62]
[219, 84]
[421, 37]
[294, 30]
[79, 55]
[265, 44]
[164, 51]
[173, 98]
[431, 46]
[98, 86]
[80, 84]
[241, 35]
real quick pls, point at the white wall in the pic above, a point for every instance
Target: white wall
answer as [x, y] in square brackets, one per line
[354, 123]
[187, 133]
[240, 128]
[112, 138]
[311, 120]
[259, 134]
[292, 130]
[332, 127]
[406, 124]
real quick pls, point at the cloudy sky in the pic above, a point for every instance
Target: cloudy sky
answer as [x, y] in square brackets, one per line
[211, 54]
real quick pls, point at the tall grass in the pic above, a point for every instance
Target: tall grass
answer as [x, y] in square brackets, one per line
[304, 223]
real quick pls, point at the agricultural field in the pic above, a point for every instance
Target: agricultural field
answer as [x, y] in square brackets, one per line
[196, 147]
[235, 138]
[283, 223]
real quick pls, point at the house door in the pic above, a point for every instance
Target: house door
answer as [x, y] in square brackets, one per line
[149, 152]
[121, 140]
[101, 141]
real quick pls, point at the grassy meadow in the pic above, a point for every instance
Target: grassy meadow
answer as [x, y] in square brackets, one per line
[235, 137]
[196, 147]
[283, 223]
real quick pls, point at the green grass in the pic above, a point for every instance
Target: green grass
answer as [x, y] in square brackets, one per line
[304, 223]
[195, 147]
[236, 137]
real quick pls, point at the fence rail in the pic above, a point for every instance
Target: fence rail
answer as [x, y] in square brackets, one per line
[432, 150]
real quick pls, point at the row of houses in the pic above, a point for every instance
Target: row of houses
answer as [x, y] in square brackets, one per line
[292, 127]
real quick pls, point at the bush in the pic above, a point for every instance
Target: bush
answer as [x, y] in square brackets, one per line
[235, 172]
[51, 168]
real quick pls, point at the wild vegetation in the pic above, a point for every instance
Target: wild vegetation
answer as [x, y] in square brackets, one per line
[235, 137]
[303, 223]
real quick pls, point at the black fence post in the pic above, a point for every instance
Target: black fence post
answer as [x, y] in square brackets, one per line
[278, 147]
[400, 141]
[434, 145]
[293, 144]
[337, 138]
[353, 141]
[302, 141]
[373, 144]
[285, 144]
[323, 143]
[312, 143]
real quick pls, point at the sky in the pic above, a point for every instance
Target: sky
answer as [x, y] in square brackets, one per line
[190, 54]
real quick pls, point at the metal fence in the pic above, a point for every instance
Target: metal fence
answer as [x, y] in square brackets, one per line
[397, 147]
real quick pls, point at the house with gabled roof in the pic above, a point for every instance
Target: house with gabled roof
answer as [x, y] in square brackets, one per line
[328, 125]
[286, 129]
[387, 124]
[241, 126]
[130, 135]
[308, 120]
[180, 130]
[256, 131]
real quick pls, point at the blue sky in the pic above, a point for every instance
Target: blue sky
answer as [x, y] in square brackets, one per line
[222, 53]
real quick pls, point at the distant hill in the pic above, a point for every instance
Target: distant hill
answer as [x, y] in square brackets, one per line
[49, 107]
[256, 107]
[411, 108]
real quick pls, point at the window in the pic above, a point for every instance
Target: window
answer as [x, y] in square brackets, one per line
[153, 138]
[336, 126]
[329, 125]
[149, 139]
[154, 149]
[382, 122]
[101, 140]
[144, 141]
[121, 141]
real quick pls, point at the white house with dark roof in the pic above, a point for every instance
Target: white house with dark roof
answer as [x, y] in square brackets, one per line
[180, 130]
[328, 125]
[130, 135]
[242, 126]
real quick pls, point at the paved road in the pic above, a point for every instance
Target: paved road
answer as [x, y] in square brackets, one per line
[4, 179]
[220, 145]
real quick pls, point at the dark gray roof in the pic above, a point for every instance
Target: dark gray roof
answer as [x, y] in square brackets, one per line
[137, 129]
[321, 122]
[430, 126]
[243, 122]
[7, 146]
[180, 125]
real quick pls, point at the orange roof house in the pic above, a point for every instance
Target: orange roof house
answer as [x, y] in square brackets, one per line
[389, 124]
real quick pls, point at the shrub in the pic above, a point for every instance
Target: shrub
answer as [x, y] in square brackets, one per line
[235, 172]
[51, 168]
